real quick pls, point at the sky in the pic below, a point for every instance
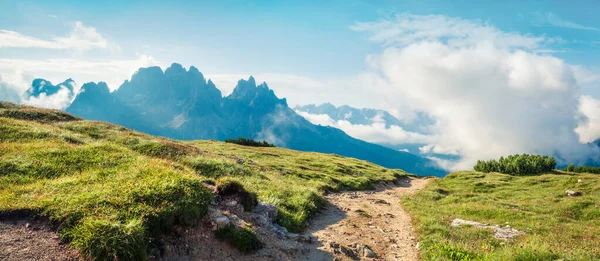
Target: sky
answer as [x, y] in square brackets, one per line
[513, 76]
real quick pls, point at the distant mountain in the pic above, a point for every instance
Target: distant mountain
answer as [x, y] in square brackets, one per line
[42, 86]
[367, 116]
[182, 104]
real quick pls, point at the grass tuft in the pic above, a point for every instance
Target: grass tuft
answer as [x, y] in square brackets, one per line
[243, 239]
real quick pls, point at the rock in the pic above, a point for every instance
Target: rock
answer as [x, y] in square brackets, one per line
[282, 232]
[280, 228]
[267, 210]
[365, 251]
[221, 221]
[308, 238]
[27, 225]
[333, 245]
[154, 253]
[231, 203]
[503, 233]
[572, 193]
[380, 201]
[348, 252]
[579, 181]
[292, 236]
[260, 220]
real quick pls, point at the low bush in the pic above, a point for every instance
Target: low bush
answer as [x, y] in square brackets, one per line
[249, 142]
[583, 169]
[523, 164]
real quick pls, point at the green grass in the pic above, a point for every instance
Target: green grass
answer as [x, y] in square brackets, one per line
[113, 192]
[557, 226]
[243, 239]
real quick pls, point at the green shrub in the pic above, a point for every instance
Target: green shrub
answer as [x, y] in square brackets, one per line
[583, 169]
[519, 165]
[249, 142]
[243, 239]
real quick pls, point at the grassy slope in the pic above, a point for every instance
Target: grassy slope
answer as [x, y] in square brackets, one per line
[113, 191]
[557, 226]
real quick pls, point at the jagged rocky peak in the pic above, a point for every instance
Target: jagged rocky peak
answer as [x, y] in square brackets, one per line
[147, 73]
[39, 86]
[194, 72]
[94, 89]
[248, 90]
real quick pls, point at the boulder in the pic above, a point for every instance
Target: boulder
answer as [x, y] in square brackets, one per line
[267, 210]
[365, 251]
[221, 221]
[572, 193]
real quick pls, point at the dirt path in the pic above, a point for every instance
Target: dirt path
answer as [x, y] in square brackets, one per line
[366, 225]
[350, 223]
[368, 218]
[23, 238]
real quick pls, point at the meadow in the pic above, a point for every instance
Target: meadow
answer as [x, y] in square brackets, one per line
[557, 227]
[113, 192]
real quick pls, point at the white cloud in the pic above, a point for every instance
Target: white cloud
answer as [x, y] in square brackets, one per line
[489, 92]
[407, 29]
[376, 132]
[8, 93]
[59, 100]
[436, 149]
[20, 72]
[589, 129]
[80, 38]
[555, 20]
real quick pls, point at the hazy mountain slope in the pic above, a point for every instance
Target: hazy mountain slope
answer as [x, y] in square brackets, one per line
[182, 104]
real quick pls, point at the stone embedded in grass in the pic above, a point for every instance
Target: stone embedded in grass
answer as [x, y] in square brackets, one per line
[502, 233]
[267, 210]
[572, 193]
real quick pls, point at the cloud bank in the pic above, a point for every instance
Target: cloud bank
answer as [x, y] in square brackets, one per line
[489, 91]
[377, 132]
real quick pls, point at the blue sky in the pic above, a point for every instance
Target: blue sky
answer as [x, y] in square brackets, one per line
[310, 38]
[496, 77]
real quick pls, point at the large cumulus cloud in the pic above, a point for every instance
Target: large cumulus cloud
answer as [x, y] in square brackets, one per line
[490, 92]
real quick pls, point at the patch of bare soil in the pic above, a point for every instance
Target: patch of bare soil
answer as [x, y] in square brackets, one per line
[367, 225]
[24, 238]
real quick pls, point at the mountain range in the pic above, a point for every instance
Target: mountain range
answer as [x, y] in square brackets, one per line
[183, 104]
[366, 116]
